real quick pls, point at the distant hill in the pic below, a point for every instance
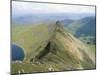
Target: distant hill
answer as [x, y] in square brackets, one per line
[66, 22]
[83, 27]
[65, 18]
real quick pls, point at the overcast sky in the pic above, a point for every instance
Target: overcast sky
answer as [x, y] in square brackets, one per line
[23, 8]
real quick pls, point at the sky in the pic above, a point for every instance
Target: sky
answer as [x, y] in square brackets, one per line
[23, 8]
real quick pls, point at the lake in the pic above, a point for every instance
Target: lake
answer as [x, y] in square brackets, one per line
[17, 53]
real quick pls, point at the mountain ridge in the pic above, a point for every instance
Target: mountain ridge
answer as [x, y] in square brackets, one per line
[59, 51]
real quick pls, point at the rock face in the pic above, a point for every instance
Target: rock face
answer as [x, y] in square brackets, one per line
[66, 51]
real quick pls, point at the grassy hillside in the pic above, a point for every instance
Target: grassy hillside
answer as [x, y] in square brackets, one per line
[30, 37]
[48, 48]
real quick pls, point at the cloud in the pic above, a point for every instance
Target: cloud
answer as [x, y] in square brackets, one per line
[31, 7]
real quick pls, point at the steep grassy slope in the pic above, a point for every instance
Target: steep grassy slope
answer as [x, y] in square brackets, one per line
[84, 29]
[49, 48]
[30, 37]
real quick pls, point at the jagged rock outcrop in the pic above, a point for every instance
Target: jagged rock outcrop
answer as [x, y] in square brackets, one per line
[62, 48]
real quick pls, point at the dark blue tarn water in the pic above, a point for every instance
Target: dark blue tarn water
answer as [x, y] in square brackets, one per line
[17, 53]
